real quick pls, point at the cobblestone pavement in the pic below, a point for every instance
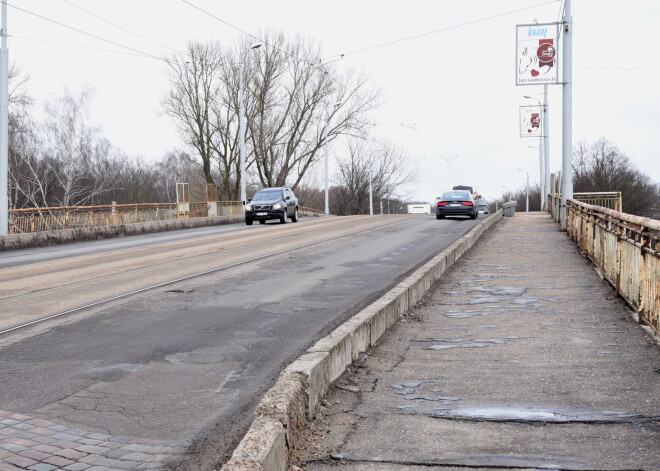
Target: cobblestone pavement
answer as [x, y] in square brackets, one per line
[41, 445]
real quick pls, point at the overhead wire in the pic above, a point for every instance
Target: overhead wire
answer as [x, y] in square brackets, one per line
[120, 27]
[467, 23]
[83, 32]
[25, 38]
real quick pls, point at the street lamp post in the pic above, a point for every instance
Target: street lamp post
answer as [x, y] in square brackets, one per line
[325, 146]
[241, 119]
[4, 126]
[543, 156]
[527, 191]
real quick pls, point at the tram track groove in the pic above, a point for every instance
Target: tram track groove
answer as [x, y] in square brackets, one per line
[108, 299]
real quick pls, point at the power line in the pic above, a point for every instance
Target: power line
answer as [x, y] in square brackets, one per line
[84, 32]
[76, 45]
[467, 111]
[120, 27]
[468, 23]
[257, 38]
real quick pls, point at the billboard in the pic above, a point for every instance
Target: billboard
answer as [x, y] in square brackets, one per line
[536, 54]
[531, 121]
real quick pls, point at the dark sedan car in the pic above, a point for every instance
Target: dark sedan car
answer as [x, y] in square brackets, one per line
[272, 203]
[456, 203]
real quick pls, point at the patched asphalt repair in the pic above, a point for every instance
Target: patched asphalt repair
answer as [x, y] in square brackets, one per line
[521, 357]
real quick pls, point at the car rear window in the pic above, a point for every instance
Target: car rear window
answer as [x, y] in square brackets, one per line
[456, 195]
[483, 206]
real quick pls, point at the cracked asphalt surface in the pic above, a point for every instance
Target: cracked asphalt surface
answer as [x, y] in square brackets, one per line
[521, 357]
[169, 379]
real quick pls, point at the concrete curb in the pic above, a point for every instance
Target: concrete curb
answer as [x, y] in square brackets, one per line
[291, 403]
[68, 236]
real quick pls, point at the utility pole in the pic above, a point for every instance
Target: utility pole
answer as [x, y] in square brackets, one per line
[4, 126]
[567, 118]
[241, 119]
[546, 149]
[327, 171]
[371, 198]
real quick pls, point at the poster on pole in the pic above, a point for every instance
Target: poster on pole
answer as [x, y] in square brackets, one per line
[536, 54]
[531, 121]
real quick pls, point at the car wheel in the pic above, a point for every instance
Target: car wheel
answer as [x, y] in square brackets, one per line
[283, 217]
[294, 218]
[473, 216]
[262, 221]
[249, 222]
[437, 216]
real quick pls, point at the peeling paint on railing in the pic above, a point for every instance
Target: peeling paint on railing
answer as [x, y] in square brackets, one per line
[626, 250]
[28, 220]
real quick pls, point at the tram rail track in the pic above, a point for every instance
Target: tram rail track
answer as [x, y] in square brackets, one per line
[143, 268]
[107, 299]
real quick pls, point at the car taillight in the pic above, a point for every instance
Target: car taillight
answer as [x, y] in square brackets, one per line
[468, 203]
[442, 203]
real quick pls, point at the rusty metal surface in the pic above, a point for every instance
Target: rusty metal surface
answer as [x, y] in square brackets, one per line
[606, 199]
[626, 249]
[71, 217]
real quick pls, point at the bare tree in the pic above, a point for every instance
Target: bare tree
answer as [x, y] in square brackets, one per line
[385, 165]
[289, 100]
[193, 99]
[79, 157]
[300, 107]
[601, 166]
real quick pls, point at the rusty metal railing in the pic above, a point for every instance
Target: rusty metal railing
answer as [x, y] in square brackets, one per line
[606, 199]
[72, 217]
[626, 250]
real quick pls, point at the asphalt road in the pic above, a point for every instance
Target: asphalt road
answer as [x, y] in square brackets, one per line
[186, 363]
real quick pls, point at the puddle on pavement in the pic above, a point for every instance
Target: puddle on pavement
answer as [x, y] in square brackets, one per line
[445, 401]
[447, 344]
[492, 290]
[508, 267]
[521, 414]
[465, 314]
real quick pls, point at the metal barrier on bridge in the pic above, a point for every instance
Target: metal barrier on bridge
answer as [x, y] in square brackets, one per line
[626, 250]
[606, 199]
[72, 217]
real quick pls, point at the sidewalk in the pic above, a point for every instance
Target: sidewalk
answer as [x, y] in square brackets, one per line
[519, 358]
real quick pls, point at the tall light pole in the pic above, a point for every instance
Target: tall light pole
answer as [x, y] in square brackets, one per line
[241, 119]
[371, 198]
[527, 192]
[542, 156]
[4, 126]
[327, 171]
[546, 150]
[567, 116]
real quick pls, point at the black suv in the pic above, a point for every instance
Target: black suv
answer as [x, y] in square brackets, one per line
[272, 203]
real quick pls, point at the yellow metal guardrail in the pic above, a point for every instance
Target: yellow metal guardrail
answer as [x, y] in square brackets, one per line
[626, 251]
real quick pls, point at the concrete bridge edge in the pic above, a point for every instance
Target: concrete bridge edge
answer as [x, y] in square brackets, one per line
[286, 408]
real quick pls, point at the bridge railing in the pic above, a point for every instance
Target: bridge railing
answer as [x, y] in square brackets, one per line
[72, 217]
[626, 251]
[606, 199]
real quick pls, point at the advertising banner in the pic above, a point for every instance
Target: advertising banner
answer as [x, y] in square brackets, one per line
[536, 54]
[531, 121]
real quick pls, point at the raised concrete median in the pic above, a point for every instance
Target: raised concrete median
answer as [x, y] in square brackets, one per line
[285, 410]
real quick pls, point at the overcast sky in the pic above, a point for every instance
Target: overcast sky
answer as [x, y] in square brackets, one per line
[450, 98]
